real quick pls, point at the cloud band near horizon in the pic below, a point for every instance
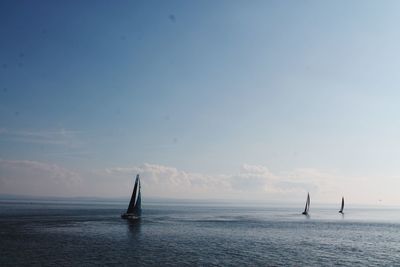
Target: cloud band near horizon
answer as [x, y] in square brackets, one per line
[251, 182]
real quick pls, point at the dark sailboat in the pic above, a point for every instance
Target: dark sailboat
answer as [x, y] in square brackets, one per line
[307, 208]
[134, 209]
[342, 207]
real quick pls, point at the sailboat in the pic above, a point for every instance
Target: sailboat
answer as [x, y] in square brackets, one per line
[307, 208]
[342, 207]
[134, 209]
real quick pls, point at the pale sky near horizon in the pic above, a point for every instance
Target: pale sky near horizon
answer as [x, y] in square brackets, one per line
[206, 99]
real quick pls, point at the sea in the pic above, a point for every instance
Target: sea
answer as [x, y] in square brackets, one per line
[91, 233]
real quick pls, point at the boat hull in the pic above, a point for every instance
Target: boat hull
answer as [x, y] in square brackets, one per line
[130, 216]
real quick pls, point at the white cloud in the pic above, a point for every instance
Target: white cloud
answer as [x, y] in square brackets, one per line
[255, 182]
[167, 181]
[36, 178]
[250, 182]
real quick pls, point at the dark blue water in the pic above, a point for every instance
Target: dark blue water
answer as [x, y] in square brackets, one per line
[65, 234]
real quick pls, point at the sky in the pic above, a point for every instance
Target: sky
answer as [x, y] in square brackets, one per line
[259, 100]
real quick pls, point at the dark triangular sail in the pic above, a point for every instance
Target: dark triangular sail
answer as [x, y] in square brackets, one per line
[307, 207]
[342, 207]
[135, 203]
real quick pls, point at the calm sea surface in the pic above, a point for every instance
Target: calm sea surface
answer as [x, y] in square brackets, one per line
[66, 234]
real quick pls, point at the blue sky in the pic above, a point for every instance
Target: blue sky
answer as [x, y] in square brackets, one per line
[202, 89]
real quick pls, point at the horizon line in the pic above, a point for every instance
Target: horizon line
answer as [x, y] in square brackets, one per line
[169, 200]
